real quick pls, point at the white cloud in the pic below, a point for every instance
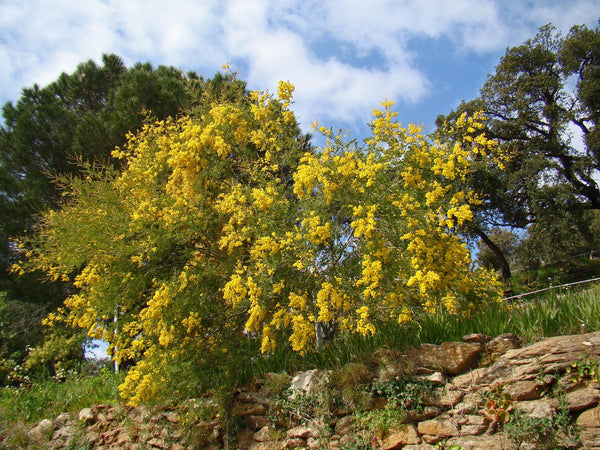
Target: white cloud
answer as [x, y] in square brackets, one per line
[272, 40]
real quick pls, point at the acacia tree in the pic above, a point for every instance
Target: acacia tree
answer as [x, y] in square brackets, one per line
[58, 130]
[224, 224]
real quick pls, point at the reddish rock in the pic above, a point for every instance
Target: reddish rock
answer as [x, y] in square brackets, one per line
[265, 434]
[503, 343]
[256, 422]
[248, 409]
[267, 445]
[582, 399]
[86, 415]
[294, 443]
[42, 430]
[477, 338]
[538, 409]
[303, 432]
[438, 427]
[487, 442]
[451, 357]
[398, 438]
[525, 390]
[589, 418]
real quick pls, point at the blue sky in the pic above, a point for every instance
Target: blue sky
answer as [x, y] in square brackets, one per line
[344, 56]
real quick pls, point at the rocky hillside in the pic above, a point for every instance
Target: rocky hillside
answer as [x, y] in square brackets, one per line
[481, 393]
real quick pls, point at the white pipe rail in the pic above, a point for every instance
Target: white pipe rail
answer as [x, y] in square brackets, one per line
[551, 287]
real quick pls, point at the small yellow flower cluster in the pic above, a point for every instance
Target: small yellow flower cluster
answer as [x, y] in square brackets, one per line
[364, 226]
[317, 234]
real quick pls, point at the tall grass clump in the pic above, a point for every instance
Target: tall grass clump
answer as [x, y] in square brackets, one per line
[47, 398]
[552, 314]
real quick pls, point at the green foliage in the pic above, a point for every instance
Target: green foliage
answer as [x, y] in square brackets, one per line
[349, 386]
[405, 394]
[549, 185]
[585, 369]
[542, 432]
[20, 329]
[47, 398]
[379, 421]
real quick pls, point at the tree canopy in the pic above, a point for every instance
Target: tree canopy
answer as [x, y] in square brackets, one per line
[542, 108]
[224, 226]
[65, 129]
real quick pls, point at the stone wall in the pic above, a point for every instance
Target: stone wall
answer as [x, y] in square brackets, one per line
[477, 390]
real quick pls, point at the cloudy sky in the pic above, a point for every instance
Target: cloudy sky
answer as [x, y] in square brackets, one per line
[344, 56]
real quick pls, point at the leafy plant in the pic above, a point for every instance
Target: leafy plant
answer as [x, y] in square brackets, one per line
[379, 421]
[584, 369]
[498, 406]
[405, 394]
[542, 432]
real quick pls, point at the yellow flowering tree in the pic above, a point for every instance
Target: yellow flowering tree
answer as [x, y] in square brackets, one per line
[149, 249]
[376, 236]
[227, 226]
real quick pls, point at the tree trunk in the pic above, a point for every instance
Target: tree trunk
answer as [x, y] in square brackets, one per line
[498, 253]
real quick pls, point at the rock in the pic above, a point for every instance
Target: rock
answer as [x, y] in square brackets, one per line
[477, 338]
[62, 419]
[471, 425]
[308, 382]
[344, 425]
[272, 445]
[549, 356]
[491, 442]
[450, 398]
[244, 438]
[86, 415]
[154, 442]
[348, 440]
[314, 444]
[438, 427]
[303, 432]
[589, 418]
[294, 443]
[171, 416]
[503, 343]
[452, 358]
[430, 439]
[436, 378]
[469, 379]
[420, 447]
[42, 430]
[470, 404]
[398, 438]
[538, 409]
[525, 390]
[582, 399]
[248, 409]
[64, 433]
[590, 437]
[256, 422]
[266, 433]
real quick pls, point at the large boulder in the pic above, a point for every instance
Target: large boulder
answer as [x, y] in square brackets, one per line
[452, 358]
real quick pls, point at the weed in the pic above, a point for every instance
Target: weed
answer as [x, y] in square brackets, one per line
[584, 369]
[498, 406]
[379, 421]
[406, 394]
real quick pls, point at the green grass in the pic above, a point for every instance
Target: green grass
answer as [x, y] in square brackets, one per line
[548, 315]
[48, 398]
[576, 269]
